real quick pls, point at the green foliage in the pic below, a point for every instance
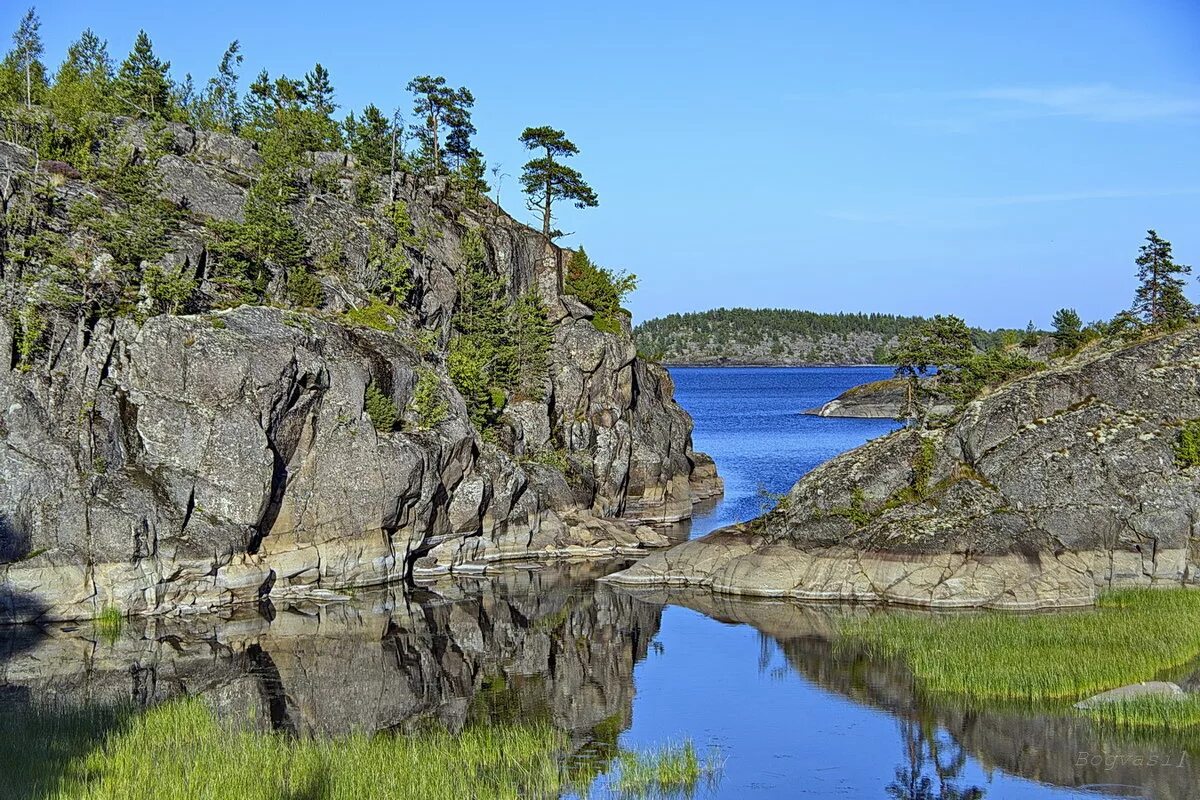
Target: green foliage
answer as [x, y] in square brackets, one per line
[445, 128]
[372, 139]
[365, 190]
[109, 624]
[142, 85]
[31, 335]
[1160, 302]
[530, 336]
[857, 511]
[376, 314]
[601, 289]
[303, 288]
[673, 770]
[427, 399]
[470, 364]
[169, 289]
[1187, 446]
[546, 180]
[218, 107]
[943, 342]
[380, 408]
[1068, 330]
[1032, 337]
[22, 73]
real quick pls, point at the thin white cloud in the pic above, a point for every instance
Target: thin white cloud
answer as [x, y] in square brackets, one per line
[1099, 102]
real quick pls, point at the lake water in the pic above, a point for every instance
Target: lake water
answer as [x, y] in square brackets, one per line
[792, 714]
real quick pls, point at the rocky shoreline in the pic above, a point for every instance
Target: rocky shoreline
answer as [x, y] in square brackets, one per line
[1044, 492]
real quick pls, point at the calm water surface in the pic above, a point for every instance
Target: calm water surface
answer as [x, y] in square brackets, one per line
[792, 714]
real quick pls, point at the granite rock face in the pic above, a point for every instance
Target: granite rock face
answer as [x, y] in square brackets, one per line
[169, 463]
[1044, 492]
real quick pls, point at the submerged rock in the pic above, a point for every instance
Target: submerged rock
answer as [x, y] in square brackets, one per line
[1163, 689]
[1045, 491]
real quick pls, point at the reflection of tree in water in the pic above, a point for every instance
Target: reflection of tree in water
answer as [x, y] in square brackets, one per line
[929, 749]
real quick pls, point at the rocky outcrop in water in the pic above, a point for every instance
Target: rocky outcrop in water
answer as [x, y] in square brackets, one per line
[158, 463]
[1044, 492]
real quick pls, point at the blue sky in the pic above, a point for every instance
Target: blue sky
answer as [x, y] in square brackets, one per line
[994, 160]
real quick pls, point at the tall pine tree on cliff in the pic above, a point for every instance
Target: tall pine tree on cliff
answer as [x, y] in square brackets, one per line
[546, 180]
[1160, 301]
[142, 83]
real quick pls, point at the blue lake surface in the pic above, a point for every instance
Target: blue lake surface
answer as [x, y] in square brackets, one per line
[750, 420]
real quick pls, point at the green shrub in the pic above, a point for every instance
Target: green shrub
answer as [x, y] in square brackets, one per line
[1187, 446]
[366, 191]
[602, 290]
[31, 335]
[303, 289]
[169, 289]
[427, 399]
[380, 409]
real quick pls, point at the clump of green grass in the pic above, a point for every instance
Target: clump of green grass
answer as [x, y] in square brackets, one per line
[109, 624]
[1149, 713]
[377, 314]
[1134, 635]
[669, 770]
[180, 751]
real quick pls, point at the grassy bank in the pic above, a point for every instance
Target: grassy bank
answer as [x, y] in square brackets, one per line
[178, 750]
[1133, 635]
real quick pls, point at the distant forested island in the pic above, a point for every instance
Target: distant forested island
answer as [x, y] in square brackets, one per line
[776, 336]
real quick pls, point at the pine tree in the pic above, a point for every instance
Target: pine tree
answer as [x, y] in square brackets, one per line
[23, 78]
[546, 180]
[1160, 301]
[218, 108]
[445, 126]
[82, 86]
[371, 139]
[142, 82]
[1068, 329]
[531, 333]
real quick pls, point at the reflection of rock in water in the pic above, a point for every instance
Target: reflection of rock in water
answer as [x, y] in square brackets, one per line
[1058, 749]
[548, 645]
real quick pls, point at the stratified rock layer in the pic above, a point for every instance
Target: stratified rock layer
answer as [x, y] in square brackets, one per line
[1046, 491]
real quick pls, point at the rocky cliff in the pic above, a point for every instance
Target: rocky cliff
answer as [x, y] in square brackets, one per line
[154, 462]
[1045, 491]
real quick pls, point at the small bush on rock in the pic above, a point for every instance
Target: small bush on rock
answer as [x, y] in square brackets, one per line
[380, 409]
[1187, 446]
